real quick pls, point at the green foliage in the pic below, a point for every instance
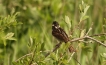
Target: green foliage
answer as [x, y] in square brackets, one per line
[83, 9]
[25, 37]
[6, 23]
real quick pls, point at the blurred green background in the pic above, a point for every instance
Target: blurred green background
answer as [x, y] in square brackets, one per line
[34, 21]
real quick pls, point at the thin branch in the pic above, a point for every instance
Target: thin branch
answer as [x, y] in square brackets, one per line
[32, 58]
[72, 56]
[88, 37]
[77, 39]
[96, 41]
[23, 57]
[33, 55]
[89, 29]
[56, 47]
[98, 34]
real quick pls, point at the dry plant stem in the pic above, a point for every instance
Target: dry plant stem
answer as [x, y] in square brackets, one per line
[98, 34]
[77, 39]
[32, 59]
[72, 56]
[88, 37]
[56, 47]
[23, 57]
[96, 41]
[89, 29]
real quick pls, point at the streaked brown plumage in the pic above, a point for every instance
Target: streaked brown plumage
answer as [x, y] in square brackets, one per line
[59, 33]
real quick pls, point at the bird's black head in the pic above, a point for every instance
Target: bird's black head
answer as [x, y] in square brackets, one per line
[55, 25]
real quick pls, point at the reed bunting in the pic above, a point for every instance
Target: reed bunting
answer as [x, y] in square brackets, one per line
[59, 33]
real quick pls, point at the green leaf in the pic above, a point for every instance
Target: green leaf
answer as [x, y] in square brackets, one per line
[86, 49]
[9, 36]
[1, 50]
[83, 8]
[12, 38]
[30, 41]
[42, 46]
[82, 32]
[83, 18]
[86, 9]
[67, 20]
[103, 55]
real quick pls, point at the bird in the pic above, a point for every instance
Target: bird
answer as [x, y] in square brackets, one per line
[59, 33]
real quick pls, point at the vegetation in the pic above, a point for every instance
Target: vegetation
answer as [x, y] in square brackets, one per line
[26, 25]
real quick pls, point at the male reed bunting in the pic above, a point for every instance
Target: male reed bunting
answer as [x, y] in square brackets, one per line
[60, 34]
